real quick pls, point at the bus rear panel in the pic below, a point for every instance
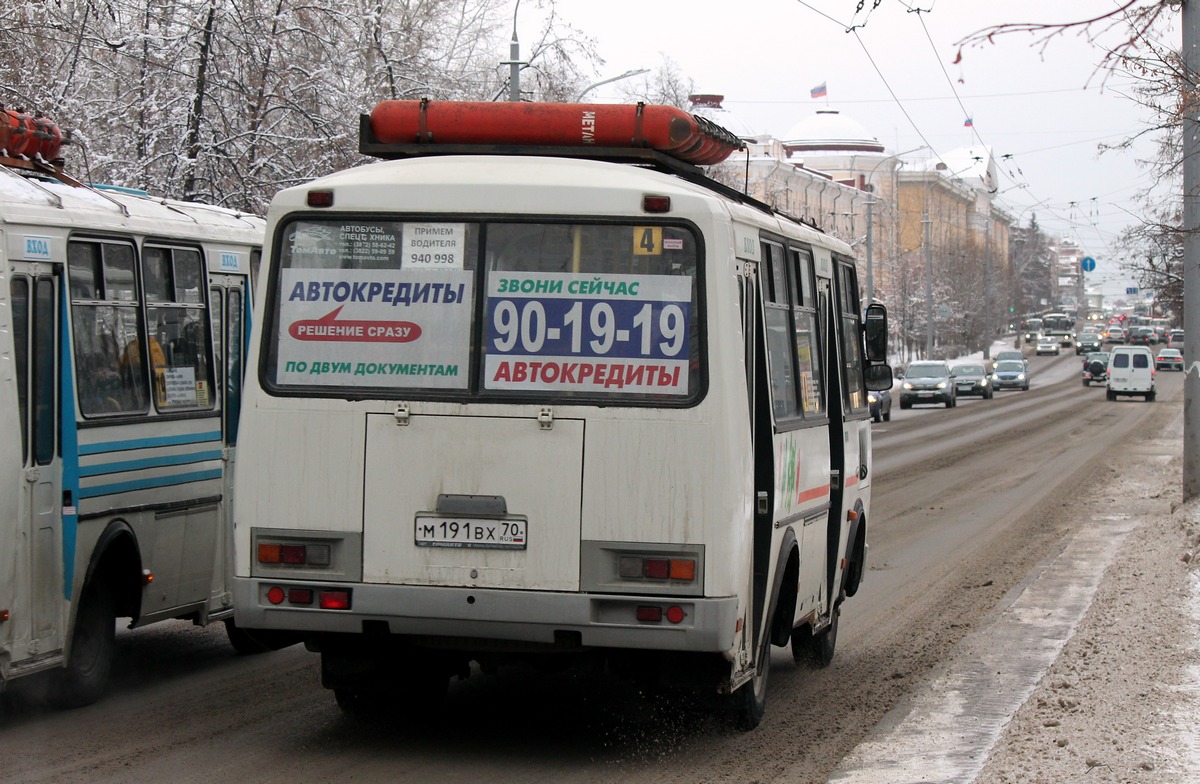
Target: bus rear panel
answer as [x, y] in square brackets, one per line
[531, 407]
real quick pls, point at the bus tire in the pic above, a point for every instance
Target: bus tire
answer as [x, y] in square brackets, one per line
[816, 649]
[750, 701]
[93, 645]
[249, 642]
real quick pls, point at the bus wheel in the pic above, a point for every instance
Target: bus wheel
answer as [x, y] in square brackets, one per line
[750, 701]
[816, 649]
[363, 704]
[93, 644]
[418, 703]
[248, 642]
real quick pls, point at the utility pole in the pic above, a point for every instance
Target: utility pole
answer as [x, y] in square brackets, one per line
[928, 285]
[870, 260]
[1191, 249]
[987, 285]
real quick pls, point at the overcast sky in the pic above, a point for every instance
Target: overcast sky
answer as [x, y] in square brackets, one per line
[1047, 109]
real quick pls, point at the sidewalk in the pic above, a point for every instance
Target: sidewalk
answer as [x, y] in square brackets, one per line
[1090, 669]
[1121, 702]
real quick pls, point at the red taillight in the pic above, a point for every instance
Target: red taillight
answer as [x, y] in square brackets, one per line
[293, 554]
[675, 614]
[300, 596]
[335, 600]
[319, 199]
[3, 616]
[657, 568]
[275, 595]
[650, 614]
[656, 204]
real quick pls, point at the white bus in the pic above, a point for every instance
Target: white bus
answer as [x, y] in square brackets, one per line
[123, 327]
[533, 405]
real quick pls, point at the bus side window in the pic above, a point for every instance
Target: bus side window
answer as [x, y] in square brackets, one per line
[110, 370]
[852, 341]
[177, 319]
[807, 341]
[777, 297]
[20, 314]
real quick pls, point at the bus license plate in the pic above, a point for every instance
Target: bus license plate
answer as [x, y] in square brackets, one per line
[506, 534]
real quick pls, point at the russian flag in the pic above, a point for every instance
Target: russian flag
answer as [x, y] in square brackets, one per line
[968, 123]
[818, 91]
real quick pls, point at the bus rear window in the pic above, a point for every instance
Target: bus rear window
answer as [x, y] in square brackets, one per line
[490, 310]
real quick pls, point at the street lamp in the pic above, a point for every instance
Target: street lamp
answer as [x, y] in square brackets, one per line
[514, 61]
[626, 75]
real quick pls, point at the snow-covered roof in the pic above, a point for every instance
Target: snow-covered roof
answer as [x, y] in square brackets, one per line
[974, 166]
[708, 106]
[830, 131]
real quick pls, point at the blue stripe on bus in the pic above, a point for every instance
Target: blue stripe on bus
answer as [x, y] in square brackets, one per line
[148, 484]
[149, 462]
[70, 444]
[143, 443]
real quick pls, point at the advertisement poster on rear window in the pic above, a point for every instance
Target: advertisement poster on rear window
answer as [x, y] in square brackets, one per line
[596, 334]
[375, 328]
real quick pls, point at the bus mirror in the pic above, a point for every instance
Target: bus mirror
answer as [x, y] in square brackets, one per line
[876, 328]
[878, 377]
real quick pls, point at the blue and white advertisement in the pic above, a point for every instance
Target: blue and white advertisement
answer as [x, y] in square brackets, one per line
[375, 327]
[599, 334]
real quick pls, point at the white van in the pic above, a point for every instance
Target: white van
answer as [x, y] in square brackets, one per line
[1131, 372]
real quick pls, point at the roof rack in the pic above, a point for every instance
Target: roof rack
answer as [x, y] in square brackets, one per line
[369, 144]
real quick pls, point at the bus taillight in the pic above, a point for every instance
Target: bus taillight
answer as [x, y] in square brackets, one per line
[293, 554]
[335, 600]
[657, 568]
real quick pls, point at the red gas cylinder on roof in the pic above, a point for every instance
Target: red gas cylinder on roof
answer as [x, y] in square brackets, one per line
[16, 132]
[29, 135]
[664, 128]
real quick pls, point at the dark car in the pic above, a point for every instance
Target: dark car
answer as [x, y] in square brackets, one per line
[1142, 336]
[881, 405]
[972, 379]
[1010, 374]
[928, 382]
[1010, 354]
[1095, 368]
[1088, 342]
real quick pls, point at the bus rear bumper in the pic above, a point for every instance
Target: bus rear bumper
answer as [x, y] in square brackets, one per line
[599, 620]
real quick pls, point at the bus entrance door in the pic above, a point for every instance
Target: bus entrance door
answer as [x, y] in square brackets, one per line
[39, 547]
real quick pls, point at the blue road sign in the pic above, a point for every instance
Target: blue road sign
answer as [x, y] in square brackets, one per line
[1131, 290]
[1088, 264]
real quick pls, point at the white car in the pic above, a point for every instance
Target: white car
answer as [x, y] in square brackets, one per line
[1169, 359]
[1048, 345]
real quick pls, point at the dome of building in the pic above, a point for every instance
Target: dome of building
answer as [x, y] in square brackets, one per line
[829, 131]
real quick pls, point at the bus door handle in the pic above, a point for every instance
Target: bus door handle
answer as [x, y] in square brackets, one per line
[762, 499]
